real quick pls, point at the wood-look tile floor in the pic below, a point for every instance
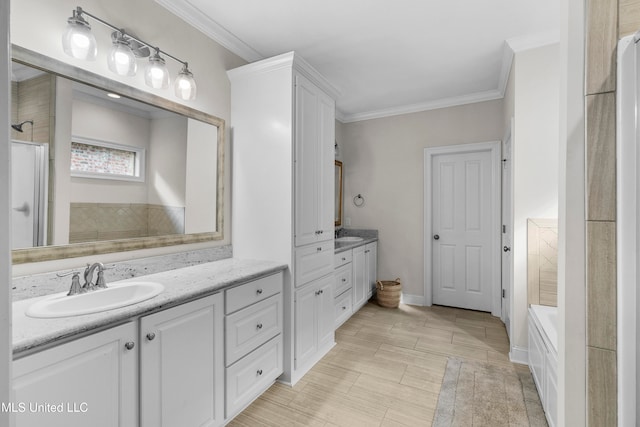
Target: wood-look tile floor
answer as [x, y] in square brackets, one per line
[385, 370]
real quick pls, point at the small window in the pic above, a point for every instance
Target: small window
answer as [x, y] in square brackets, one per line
[92, 158]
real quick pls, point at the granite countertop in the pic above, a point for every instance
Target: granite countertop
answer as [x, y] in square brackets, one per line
[367, 235]
[345, 246]
[180, 285]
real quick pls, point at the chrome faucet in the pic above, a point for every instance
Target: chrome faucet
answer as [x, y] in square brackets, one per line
[88, 277]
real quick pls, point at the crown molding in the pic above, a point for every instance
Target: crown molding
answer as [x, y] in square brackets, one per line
[195, 17]
[454, 101]
[511, 48]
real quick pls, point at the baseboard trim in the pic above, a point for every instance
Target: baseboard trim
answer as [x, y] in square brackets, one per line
[412, 299]
[519, 355]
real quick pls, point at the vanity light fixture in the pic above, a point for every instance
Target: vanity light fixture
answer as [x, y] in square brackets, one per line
[79, 42]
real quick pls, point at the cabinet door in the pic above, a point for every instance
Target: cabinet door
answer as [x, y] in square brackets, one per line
[325, 306]
[181, 365]
[326, 171]
[306, 161]
[306, 333]
[360, 291]
[371, 259]
[91, 381]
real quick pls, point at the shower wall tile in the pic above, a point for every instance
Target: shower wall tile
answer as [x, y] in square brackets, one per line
[602, 37]
[601, 285]
[112, 221]
[601, 157]
[629, 13]
[601, 388]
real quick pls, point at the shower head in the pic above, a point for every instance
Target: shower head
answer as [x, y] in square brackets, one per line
[18, 126]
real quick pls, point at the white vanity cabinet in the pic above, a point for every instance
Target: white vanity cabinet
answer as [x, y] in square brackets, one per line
[364, 273]
[343, 285]
[253, 341]
[194, 364]
[181, 369]
[314, 321]
[91, 381]
[283, 121]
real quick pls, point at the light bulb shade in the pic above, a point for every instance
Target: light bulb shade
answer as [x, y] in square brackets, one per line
[121, 59]
[156, 75]
[78, 40]
[185, 85]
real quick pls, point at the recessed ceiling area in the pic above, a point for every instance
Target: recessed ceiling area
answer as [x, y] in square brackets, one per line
[384, 57]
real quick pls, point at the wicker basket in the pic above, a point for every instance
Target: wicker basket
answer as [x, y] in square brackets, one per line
[388, 292]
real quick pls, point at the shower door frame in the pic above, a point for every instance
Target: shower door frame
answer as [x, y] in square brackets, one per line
[41, 201]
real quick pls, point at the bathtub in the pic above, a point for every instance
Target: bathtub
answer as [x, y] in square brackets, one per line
[543, 357]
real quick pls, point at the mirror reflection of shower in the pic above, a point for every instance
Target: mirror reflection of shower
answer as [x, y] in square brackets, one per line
[18, 127]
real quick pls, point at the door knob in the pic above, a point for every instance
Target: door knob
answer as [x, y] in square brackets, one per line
[436, 237]
[506, 248]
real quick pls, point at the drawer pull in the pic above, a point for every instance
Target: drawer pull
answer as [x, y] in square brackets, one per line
[259, 291]
[344, 308]
[129, 345]
[151, 336]
[259, 326]
[344, 259]
[344, 280]
[259, 372]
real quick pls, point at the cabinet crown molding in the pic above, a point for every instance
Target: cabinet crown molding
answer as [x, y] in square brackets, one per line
[289, 60]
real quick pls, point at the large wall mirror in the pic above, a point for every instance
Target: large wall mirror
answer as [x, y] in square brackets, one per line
[99, 167]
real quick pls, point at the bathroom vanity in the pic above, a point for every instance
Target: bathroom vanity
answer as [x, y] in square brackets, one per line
[196, 354]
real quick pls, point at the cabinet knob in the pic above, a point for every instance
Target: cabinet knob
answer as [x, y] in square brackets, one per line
[259, 372]
[151, 336]
[344, 308]
[344, 280]
[129, 345]
[344, 259]
[320, 291]
[366, 252]
[318, 249]
[259, 326]
[259, 291]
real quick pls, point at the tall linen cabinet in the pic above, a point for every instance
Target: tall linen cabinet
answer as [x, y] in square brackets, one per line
[282, 139]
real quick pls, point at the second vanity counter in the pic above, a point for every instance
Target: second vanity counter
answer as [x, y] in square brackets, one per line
[180, 285]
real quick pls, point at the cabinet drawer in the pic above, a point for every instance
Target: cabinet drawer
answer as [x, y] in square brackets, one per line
[249, 328]
[313, 261]
[342, 279]
[252, 292]
[342, 258]
[250, 376]
[343, 307]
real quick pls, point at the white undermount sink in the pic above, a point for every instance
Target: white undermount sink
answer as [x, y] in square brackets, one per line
[349, 239]
[115, 296]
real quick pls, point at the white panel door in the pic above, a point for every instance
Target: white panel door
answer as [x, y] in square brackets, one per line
[306, 332]
[461, 212]
[326, 171]
[360, 291]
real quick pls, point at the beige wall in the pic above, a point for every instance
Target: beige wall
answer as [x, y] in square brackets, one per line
[207, 59]
[383, 161]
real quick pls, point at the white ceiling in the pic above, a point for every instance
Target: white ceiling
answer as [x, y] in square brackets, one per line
[384, 57]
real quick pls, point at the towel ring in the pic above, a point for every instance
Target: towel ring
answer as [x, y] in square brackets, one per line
[358, 200]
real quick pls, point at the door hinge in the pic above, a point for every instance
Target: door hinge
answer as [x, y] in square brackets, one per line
[504, 229]
[503, 293]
